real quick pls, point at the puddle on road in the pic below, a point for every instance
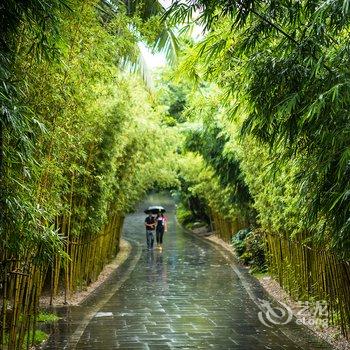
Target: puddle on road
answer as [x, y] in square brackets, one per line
[103, 314]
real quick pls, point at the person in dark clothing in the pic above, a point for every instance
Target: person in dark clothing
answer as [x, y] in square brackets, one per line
[150, 224]
[160, 228]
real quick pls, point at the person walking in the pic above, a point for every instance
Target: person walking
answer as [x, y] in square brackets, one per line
[160, 229]
[150, 224]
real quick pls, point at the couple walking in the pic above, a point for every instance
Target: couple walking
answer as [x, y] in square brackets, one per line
[159, 224]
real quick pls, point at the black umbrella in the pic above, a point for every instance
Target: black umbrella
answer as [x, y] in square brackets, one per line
[155, 209]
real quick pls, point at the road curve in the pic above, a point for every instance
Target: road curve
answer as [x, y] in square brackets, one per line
[189, 296]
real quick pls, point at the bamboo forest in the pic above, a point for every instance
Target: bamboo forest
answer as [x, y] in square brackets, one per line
[232, 117]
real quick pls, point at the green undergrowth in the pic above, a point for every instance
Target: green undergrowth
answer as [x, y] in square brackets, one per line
[46, 317]
[259, 275]
[35, 339]
[39, 337]
[250, 249]
[184, 215]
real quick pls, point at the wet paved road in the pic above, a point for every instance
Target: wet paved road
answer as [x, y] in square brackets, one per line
[190, 296]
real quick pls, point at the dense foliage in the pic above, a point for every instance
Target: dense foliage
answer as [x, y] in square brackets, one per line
[250, 248]
[283, 66]
[281, 71]
[81, 141]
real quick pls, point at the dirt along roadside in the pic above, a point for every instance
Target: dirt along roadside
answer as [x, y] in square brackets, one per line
[80, 296]
[329, 333]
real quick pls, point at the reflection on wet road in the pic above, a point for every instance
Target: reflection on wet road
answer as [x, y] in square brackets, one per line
[190, 296]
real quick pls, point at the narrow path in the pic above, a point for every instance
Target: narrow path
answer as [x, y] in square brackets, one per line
[190, 296]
